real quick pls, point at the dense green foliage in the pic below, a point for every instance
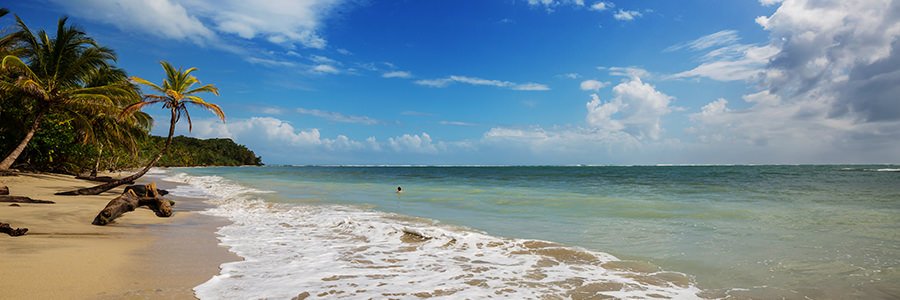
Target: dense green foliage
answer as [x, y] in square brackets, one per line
[188, 151]
[57, 148]
[84, 111]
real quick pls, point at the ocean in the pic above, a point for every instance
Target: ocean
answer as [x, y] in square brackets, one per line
[545, 232]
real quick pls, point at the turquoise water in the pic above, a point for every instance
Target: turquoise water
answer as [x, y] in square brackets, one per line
[765, 231]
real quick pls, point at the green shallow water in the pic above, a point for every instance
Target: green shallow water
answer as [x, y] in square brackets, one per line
[817, 231]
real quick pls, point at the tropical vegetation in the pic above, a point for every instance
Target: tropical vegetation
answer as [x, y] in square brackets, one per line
[66, 107]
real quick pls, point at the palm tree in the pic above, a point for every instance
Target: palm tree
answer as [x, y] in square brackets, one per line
[176, 92]
[108, 130]
[54, 77]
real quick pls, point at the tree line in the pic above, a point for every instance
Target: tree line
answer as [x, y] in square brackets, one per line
[65, 106]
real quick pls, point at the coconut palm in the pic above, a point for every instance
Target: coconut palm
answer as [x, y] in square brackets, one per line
[175, 94]
[108, 131]
[53, 78]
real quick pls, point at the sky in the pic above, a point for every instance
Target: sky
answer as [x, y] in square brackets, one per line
[528, 82]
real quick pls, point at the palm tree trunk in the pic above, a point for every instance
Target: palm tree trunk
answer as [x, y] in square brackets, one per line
[11, 158]
[95, 190]
[97, 164]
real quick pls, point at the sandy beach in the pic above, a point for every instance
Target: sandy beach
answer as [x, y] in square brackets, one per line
[63, 256]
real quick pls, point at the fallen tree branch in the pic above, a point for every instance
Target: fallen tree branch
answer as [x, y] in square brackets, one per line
[22, 199]
[7, 229]
[99, 179]
[129, 200]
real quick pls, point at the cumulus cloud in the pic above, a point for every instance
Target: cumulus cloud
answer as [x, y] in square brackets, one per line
[286, 23]
[593, 85]
[636, 108]
[268, 132]
[279, 141]
[162, 18]
[828, 83]
[325, 69]
[601, 6]
[444, 82]
[415, 143]
[627, 15]
[338, 117]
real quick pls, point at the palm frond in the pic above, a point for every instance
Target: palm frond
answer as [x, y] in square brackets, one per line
[210, 106]
[131, 109]
[148, 83]
[206, 88]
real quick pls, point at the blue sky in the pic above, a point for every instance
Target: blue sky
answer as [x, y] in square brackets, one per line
[522, 82]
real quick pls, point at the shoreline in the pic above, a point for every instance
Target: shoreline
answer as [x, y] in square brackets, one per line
[140, 255]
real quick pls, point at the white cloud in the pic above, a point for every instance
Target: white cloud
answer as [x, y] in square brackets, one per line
[328, 69]
[714, 108]
[718, 39]
[749, 66]
[601, 6]
[530, 87]
[269, 62]
[769, 2]
[162, 18]
[268, 132]
[627, 15]
[457, 123]
[413, 143]
[443, 82]
[626, 71]
[323, 60]
[272, 110]
[569, 75]
[636, 108]
[338, 117]
[437, 83]
[286, 23]
[397, 74]
[827, 85]
[593, 85]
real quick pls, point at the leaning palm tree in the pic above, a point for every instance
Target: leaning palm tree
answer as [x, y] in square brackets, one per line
[53, 78]
[176, 92]
[109, 131]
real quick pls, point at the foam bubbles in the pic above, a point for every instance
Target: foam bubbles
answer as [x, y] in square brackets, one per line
[349, 252]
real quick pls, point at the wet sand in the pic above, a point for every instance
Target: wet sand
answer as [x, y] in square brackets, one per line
[63, 256]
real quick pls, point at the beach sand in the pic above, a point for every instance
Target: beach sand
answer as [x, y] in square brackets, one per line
[139, 256]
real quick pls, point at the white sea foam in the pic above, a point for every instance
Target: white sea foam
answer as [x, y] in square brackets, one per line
[348, 252]
[887, 170]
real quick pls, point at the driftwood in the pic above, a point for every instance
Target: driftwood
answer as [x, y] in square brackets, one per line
[7, 229]
[144, 191]
[129, 200]
[22, 199]
[99, 179]
[4, 190]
